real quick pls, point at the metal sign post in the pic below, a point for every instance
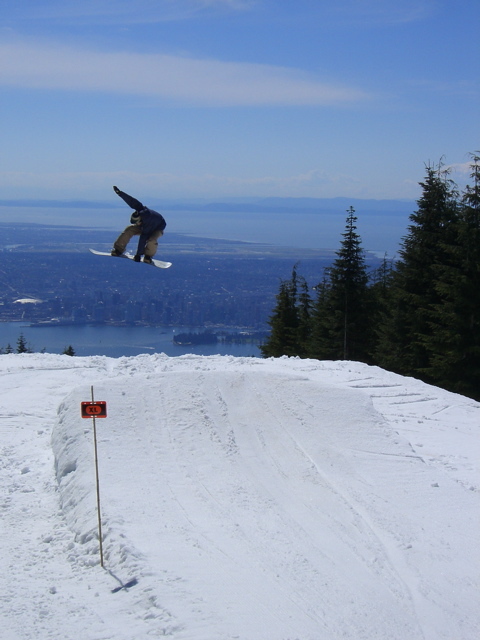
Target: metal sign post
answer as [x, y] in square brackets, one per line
[96, 410]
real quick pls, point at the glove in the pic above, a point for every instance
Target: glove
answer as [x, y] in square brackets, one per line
[116, 189]
[137, 257]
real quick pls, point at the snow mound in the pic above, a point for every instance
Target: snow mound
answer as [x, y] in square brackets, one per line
[275, 499]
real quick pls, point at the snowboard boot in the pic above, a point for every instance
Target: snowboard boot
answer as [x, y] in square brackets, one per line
[116, 252]
[147, 260]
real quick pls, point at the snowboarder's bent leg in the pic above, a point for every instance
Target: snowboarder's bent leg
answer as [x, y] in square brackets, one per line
[152, 244]
[124, 238]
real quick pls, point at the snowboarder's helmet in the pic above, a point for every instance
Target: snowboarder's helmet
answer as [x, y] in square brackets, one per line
[135, 218]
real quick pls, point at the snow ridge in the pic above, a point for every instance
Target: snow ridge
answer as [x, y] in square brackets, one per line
[278, 499]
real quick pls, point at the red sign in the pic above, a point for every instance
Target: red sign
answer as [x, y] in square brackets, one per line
[94, 409]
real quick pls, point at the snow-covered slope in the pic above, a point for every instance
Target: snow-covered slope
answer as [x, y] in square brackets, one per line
[279, 499]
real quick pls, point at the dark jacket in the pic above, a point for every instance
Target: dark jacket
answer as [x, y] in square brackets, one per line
[151, 221]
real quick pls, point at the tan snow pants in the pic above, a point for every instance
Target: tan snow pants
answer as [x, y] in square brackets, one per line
[135, 230]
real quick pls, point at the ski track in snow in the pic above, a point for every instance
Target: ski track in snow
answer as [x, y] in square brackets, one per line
[278, 499]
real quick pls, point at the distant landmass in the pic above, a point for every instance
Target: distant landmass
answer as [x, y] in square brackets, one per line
[58, 204]
[303, 205]
[263, 205]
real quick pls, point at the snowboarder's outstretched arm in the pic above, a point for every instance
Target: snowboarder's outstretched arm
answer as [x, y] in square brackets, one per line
[132, 202]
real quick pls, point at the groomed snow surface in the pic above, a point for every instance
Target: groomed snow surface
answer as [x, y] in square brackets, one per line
[278, 499]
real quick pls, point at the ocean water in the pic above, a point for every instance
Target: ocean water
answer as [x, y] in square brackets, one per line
[88, 340]
[380, 231]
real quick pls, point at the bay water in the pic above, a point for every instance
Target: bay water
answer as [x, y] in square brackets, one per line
[113, 341]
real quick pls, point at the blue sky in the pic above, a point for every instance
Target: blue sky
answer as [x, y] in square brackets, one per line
[232, 98]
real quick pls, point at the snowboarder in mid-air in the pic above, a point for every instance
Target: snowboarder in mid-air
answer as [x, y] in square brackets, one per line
[144, 222]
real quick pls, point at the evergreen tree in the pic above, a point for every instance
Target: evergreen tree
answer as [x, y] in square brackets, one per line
[304, 318]
[381, 299]
[68, 351]
[289, 321]
[341, 324]
[22, 345]
[454, 344]
[381, 283]
[404, 334]
[324, 343]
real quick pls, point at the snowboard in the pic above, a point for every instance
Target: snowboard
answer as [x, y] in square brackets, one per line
[156, 263]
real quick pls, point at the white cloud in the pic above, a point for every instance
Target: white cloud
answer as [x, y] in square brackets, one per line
[461, 173]
[382, 12]
[180, 79]
[117, 11]
[92, 185]
[463, 168]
